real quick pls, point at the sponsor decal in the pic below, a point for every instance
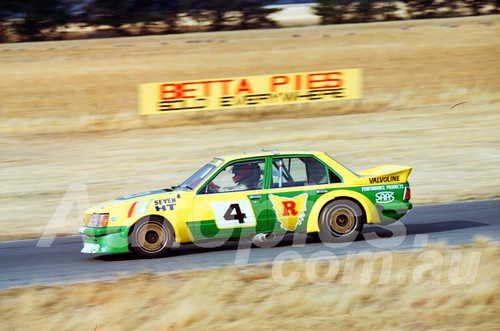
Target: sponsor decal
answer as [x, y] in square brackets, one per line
[395, 187]
[382, 187]
[233, 214]
[165, 204]
[384, 197]
[263, 90]
[289, 211]
[373, 188]
[90, 248]
[131, 210]
[139, 207]
[384, 179]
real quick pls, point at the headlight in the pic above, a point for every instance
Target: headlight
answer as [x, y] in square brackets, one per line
[98, 221]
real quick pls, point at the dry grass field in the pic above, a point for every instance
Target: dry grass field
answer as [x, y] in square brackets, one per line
[418, 292]
[68, 119]
[68, 114]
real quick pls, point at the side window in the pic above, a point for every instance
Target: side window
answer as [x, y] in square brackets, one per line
[316, 172]
[298, 171]
[334, 178]
[282, 172]
[240, 176]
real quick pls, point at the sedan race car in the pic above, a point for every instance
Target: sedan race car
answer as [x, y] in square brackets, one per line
[251, 196]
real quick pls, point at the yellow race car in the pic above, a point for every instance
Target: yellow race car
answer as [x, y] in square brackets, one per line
[251, 196]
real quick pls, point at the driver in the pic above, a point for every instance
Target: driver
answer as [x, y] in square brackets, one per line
[246, 176]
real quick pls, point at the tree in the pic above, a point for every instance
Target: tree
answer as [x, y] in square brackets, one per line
[224, 15]
[255, 15]
[388, 10]
[37, 16]
[170, 9]
[217, 13]
[422, 8]
[476, 6]
[8, 8]
[331, 11]
[108, 12]
[116, 13]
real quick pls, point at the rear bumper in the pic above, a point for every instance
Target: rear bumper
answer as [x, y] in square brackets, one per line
[391, 212]
[105, 240]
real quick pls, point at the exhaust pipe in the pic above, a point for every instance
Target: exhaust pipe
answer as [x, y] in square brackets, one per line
[260, 238]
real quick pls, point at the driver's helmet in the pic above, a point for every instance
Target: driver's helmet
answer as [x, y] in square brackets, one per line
[248, 174]
[242, 173]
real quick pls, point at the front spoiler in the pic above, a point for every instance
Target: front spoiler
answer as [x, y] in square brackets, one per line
[105, 240]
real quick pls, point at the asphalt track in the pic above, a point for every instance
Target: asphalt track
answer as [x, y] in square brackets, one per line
[23, 263]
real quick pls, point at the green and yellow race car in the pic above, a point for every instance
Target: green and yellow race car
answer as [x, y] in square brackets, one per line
[251, 196]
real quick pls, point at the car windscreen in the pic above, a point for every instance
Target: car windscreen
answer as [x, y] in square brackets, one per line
[197, 177]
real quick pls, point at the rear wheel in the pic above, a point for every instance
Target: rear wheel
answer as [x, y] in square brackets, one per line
[151, 237]
[340, 221]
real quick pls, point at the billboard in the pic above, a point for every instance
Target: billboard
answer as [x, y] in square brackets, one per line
[249, 91]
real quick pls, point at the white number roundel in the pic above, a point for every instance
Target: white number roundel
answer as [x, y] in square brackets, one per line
[233, 214]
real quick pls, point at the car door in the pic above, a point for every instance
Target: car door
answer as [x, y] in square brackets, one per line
[232, 204]
[295, 185]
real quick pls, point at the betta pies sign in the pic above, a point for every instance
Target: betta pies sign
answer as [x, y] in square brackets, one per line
[250, 91]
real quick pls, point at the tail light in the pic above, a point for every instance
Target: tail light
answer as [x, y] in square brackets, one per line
[407, 194]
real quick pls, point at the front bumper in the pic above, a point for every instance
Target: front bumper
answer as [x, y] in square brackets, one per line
[105, 240]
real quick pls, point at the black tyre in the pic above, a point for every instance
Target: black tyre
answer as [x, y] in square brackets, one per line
[151, 237]
[340, 221]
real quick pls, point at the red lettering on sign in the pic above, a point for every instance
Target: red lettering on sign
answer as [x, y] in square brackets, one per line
[225, 85]
[206, 88]
[170, 91]
[187, 90]
[244, 87]
[278, 80]
[298, 82]
[324, 80]
[289, 207]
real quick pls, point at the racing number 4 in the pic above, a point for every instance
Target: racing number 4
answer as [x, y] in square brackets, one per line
[238, 215]
[233, 214]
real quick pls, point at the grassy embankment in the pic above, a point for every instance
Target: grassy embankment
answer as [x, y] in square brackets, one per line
[440, 288]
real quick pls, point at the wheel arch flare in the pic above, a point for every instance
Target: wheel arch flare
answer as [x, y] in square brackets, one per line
[149, 217]
[370, 212]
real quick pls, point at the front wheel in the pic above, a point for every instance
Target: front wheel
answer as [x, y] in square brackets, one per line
[340, 221]
[151, 237]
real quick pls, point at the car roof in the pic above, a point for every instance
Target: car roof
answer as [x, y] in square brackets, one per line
[265, 153]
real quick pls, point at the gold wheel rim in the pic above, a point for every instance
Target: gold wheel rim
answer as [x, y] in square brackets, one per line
[342, 221]
[152, 237]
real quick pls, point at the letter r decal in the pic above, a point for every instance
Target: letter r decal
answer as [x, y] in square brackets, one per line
[289, 206]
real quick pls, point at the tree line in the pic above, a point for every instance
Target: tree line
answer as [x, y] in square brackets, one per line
[355, 11]
[33, 20]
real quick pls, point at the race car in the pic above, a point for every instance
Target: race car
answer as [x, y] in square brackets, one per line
[251, 196]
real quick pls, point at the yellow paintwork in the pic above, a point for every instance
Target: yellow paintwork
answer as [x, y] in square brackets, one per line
[371, 212]
[181, 207]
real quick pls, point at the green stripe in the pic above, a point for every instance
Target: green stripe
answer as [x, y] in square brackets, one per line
[205, 230]
[99, 232]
